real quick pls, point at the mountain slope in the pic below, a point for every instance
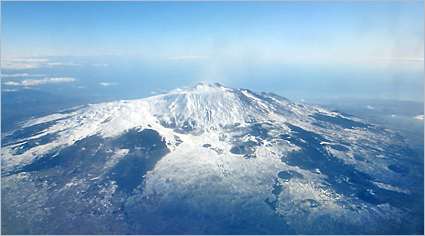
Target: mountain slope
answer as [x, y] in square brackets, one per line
[211, 160]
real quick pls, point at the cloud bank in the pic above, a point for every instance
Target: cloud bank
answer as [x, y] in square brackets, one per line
[34, 82]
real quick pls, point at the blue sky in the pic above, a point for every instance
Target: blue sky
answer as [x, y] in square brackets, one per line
[295, 49]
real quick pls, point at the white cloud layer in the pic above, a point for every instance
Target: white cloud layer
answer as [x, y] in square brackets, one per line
[34, 82]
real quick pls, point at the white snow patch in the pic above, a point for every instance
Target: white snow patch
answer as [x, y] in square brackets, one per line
[391, 188]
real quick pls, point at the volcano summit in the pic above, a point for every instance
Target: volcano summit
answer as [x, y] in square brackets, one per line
[208, 160]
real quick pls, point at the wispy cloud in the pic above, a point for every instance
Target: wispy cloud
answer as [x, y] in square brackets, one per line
[63, 64]
[419, 117]
[101, 65]
[12, 83]
[20, 75]
[158, 91]
[22, 63]
[31, 63]
[107, 84]
[27, 60]
[189, 57]
[34, 82]
[72, 64]
[55, 63]
[395, 58]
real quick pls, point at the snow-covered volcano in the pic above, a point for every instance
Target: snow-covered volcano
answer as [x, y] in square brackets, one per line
[207, 160]
[203, 108]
